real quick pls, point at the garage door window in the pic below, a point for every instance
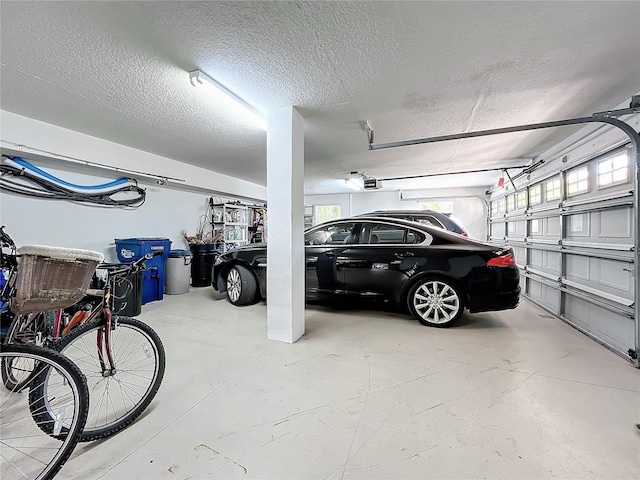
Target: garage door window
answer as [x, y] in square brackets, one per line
[511, 203]
[521, 199]
[552, 188]
[535, 195]
[578, 181]
[613, 170]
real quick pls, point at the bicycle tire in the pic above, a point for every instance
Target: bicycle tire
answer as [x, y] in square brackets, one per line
[26, 451]
[134, 343]
[16, 372]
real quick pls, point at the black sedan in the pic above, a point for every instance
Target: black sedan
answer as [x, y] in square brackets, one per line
[435, 273]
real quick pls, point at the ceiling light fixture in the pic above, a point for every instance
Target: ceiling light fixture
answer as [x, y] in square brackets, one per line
[201, 80]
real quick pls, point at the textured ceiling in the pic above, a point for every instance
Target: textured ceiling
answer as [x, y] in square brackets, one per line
[118, 70]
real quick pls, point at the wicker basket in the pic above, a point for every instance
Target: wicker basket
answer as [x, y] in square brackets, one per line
[52, 277]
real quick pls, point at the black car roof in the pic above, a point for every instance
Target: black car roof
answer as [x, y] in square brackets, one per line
[431, 230]
[403, 212]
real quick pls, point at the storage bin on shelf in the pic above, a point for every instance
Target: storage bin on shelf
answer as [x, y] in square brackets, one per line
[52, 277]
[131, 249]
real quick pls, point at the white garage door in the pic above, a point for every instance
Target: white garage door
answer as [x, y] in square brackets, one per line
[572, 226]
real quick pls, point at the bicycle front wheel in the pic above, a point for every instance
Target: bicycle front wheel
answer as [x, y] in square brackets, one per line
[26, 451]
[117, 398]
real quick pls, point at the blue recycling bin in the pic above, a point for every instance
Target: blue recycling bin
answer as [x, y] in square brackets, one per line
[131, 249]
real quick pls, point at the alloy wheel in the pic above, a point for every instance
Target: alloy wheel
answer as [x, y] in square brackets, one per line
[436, 302]
[234, 285]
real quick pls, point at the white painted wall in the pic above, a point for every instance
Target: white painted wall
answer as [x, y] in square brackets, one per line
[61, 141]
[469, 207]
[167, 210]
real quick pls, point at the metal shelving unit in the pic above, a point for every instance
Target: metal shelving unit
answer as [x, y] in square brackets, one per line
[232, 220]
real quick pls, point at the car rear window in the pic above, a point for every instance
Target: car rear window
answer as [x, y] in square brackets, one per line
[385, 234]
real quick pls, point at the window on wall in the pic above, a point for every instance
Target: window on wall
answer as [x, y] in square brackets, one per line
[521, 199]
[535, 195]
[324, 213]
[578, 181]
[613, 170]
[511, 203]
[552, 189]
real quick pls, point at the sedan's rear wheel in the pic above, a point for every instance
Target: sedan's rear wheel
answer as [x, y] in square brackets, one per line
[435, 303]
[242, 287]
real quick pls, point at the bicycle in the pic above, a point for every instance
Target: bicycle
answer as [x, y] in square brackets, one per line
[122, 358]
[129, 359]
[55, 384]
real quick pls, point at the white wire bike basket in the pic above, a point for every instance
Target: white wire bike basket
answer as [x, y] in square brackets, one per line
[52, 277]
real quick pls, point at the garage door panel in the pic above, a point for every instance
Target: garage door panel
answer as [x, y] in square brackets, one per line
[613, 274]
[545, 295]
[614, 224]
[577, 267]
[578, 226]
[521, 255]
[552, 262]
[611, 328]
[601, 227]
[498, 229]
[552, 227]
[600, 275]
[535, 259]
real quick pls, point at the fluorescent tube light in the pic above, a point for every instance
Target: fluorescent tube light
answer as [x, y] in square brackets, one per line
[201, 80]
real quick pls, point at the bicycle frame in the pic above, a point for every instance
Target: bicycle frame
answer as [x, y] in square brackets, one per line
[103, 338]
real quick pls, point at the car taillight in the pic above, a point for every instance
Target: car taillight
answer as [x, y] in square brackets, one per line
[502, 261]
[464, 234]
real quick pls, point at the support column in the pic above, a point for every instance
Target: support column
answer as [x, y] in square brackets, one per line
[285, 224]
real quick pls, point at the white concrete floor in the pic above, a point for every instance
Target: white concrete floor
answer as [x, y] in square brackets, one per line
[366, 394]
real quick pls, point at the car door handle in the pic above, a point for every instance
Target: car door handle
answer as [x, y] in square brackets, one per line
[403, 254]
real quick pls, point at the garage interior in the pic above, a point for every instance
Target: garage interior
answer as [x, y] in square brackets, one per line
[92, 91]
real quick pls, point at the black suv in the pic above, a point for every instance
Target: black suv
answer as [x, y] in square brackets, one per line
[428, 217]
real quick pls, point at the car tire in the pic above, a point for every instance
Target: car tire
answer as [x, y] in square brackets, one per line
[435, 302]
[242, 286]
